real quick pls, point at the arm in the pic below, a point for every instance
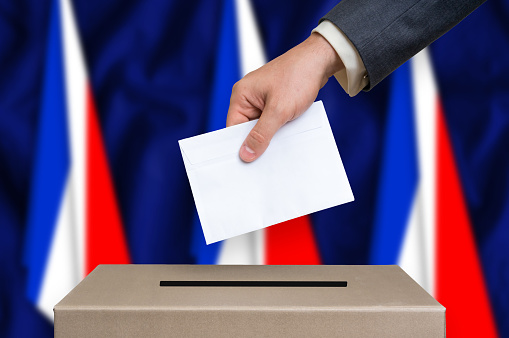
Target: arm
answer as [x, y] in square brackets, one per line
[282, 89]
[385, 34]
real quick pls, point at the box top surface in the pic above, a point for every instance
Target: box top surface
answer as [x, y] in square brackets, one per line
[138, 287]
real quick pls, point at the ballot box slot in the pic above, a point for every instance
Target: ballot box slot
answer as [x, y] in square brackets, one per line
[305, 284]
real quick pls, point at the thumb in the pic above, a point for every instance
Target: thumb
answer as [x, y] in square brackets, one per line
[259, 138]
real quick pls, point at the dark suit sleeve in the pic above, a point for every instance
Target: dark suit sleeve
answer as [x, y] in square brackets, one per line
[387, 33]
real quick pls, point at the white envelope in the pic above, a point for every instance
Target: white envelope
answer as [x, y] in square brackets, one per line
[300, 172]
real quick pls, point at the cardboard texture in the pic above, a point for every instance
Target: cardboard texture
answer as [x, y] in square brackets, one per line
[128, 301]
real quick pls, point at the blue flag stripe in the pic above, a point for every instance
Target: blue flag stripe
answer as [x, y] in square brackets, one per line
[227, 72]
[398, 180]
[51, 163]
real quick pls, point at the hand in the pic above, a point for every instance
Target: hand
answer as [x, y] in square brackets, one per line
[281, 91]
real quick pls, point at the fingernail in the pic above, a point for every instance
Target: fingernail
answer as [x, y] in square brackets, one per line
[247, 154]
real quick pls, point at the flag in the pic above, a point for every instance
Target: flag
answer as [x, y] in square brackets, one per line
[161, 70]
[73, 220]
[240, 51]
[421, 219]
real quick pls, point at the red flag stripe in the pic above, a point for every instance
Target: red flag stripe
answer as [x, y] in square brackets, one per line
[291, 242]
[105, 240]
[459, 279]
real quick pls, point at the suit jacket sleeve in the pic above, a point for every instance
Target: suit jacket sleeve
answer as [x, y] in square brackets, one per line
[387, 33]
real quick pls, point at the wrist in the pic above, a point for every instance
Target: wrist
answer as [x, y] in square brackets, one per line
[326, 57]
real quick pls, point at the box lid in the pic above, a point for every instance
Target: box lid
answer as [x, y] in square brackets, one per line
[138, 286]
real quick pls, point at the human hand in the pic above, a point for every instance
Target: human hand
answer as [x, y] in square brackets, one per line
[281, 91]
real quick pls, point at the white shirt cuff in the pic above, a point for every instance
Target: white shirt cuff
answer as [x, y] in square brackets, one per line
[353, 78]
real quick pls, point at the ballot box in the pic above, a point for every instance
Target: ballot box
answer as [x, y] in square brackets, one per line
[248, 301]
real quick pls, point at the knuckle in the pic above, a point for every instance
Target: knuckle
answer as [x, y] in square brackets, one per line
[235, 87]
[239, 86]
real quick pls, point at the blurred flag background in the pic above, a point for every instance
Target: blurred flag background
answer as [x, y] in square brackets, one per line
[95, 94]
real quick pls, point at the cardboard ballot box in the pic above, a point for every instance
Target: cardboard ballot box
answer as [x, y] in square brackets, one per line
[248, 301]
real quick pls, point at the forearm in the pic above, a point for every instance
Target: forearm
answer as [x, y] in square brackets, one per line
[387, 33]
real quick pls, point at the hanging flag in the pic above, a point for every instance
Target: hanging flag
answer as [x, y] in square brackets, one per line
[239, 52]
[73, 222]
[421, 220]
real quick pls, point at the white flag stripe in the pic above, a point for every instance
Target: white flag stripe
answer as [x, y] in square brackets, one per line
[425, 100]
[61, 273]
[248, 248]
[238, 250]
[76, 82]
[252, 54]
[411, 257]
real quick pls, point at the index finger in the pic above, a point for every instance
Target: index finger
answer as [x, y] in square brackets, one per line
[235, 116]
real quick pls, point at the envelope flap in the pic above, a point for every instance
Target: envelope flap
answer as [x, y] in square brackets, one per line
[215, 144]
[227, 141]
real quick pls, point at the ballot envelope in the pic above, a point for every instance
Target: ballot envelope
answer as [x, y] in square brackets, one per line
[248, 301]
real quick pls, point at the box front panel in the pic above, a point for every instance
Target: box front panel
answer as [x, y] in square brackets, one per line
[248, 323]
